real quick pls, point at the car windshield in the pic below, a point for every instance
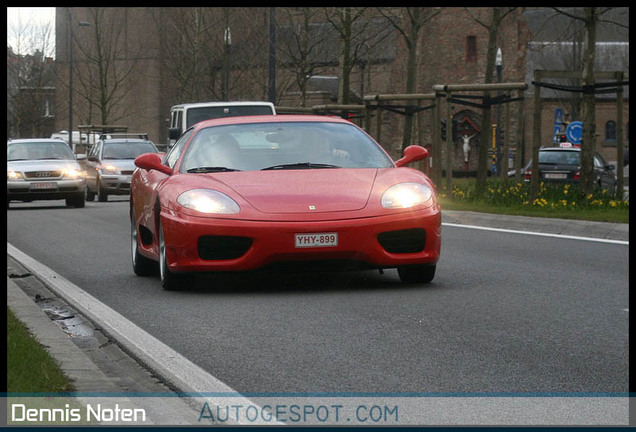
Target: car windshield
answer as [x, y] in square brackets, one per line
[39, 150]
[195, 115]
[284, 145]
[559, 157]
[127, 150]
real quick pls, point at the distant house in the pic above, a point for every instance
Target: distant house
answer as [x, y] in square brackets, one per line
[556, 45]
[30, 95]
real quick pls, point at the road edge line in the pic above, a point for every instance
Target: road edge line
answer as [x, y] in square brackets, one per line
[563, 236]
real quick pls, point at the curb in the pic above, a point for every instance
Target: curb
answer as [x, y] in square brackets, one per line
[77, 366]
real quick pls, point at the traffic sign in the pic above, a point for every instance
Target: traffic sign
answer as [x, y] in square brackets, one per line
[574, 132]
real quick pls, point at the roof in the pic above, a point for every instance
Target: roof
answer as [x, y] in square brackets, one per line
[547, 24]
[279, 118]
[216, 104]
[556, 43]
[35, 140]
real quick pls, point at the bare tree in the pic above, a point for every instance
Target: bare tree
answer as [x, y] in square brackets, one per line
[303, 45]
[409, 28]
[105, 71]
[591, 17]
[212, 53]
[492, 24]
[30, 81]
[192, 43]
[351, 26]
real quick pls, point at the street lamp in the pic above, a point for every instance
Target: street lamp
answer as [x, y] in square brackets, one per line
[70, 76]
[227, 39]
[499, 65]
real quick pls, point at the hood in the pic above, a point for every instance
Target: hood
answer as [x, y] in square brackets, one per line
[303, 191]
[42, 165]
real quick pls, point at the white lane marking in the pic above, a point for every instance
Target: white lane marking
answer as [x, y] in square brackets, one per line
[592, 239]
[162, 359]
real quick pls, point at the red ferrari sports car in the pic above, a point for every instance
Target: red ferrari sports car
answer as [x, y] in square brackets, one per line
[254, 192]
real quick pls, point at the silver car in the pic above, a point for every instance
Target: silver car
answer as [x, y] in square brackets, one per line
[44, 169]
[110, 165]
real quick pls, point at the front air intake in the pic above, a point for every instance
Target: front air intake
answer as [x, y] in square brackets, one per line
[403, 241]
[214, 247]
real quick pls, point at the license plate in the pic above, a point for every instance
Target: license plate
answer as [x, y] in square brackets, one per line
[555, 176]
[316, 240]
[43, 185]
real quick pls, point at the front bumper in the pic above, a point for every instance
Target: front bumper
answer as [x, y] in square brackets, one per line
[274, 242]
[116, 184]
[44, 190]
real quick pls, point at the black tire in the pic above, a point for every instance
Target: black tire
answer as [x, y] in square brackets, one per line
[421, 273]
[142, 266]
[102, 195]
[171, 281]
[77, 201]
[90, 196]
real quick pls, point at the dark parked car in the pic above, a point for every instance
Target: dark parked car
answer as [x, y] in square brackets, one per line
[563, 165]
[110, 165]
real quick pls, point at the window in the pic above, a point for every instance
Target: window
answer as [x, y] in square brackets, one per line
[471, 48]
[610, 131]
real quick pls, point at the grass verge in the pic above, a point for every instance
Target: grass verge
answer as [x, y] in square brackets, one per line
[30, 368]
[553, 201]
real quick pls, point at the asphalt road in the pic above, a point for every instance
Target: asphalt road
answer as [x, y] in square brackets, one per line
[507, 312]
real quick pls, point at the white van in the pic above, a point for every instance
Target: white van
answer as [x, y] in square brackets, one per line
[185, 115]
[78, 138]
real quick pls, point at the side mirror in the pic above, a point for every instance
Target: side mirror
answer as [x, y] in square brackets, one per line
[152, 161]
[412, 153]
[174, 133]
[80, 156]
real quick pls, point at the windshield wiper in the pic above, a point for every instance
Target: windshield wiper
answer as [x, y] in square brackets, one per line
[207, 169]
[300, 165]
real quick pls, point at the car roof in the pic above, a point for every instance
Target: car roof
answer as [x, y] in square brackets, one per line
[110, 140]
[35, 140]
[576, 149]
[279, 118]
[218, 104]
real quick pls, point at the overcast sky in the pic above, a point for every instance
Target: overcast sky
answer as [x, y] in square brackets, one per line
[20, 19]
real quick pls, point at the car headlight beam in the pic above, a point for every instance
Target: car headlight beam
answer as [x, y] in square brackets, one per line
[73, 173]
[208, 201]
[109, 169]
[14, 175]
[407, 195]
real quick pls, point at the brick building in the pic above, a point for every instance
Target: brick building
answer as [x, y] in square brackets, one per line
[159, 66]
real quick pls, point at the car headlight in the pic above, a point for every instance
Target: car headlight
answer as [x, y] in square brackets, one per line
[407, 195]
[14, 175]
[110, 169]
[208, 201]
[73, 173]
